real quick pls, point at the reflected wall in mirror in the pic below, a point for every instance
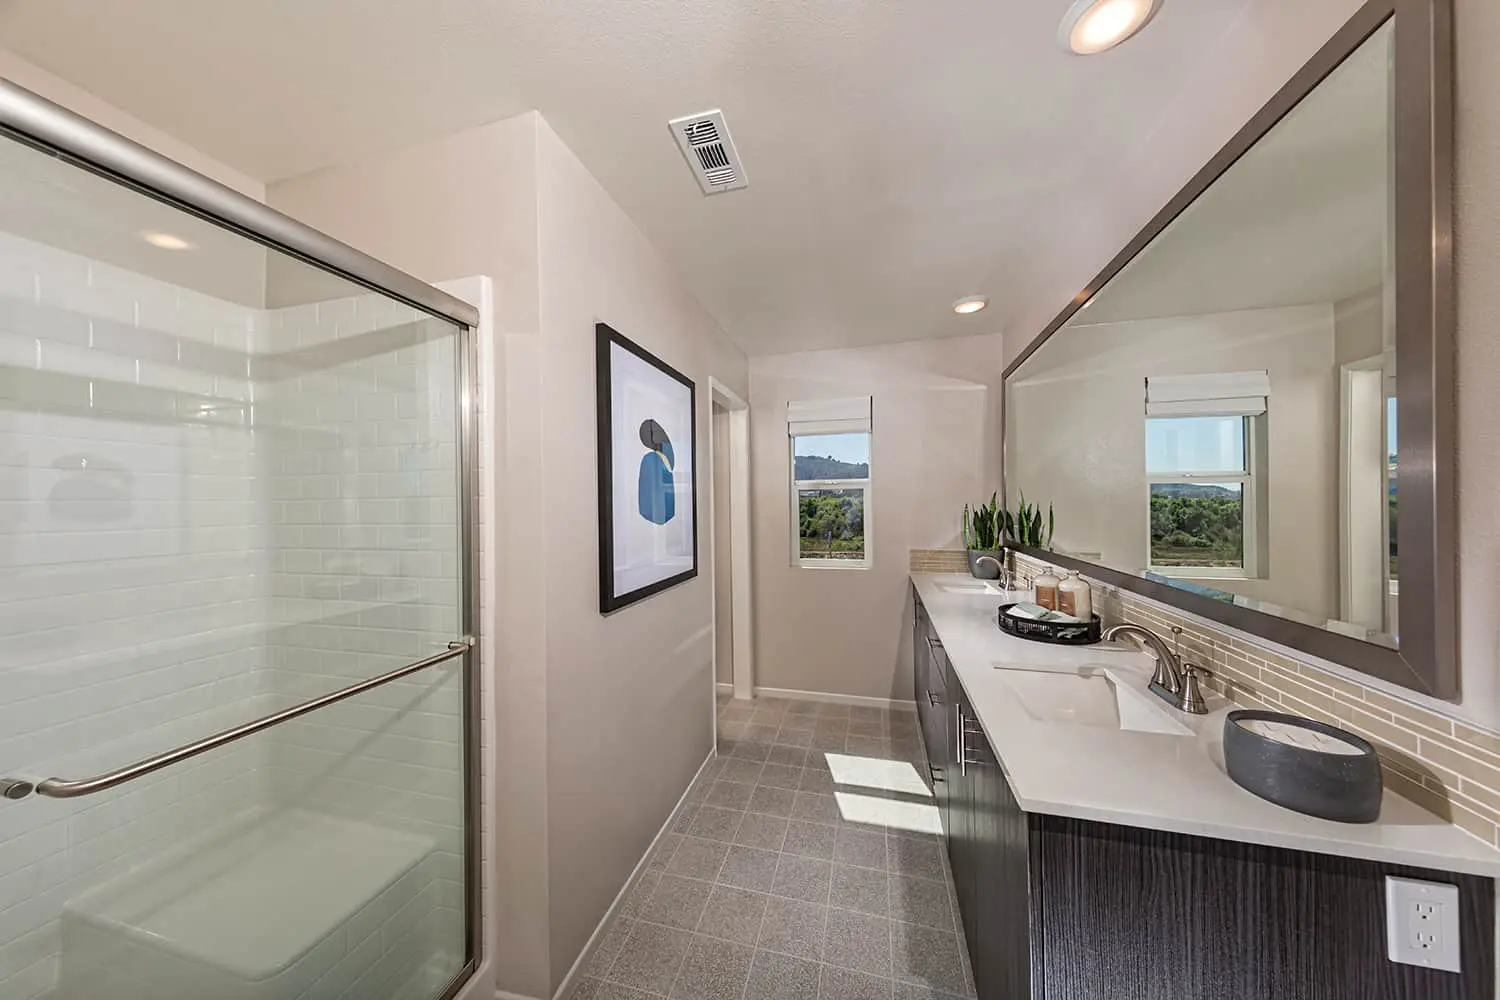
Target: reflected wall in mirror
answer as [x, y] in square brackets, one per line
[1220, 416]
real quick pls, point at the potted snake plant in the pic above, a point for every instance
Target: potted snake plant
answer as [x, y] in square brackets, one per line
[984, 535]
[1026, 527]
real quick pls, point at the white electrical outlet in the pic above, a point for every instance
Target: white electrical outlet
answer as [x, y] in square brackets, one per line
[1421, 923]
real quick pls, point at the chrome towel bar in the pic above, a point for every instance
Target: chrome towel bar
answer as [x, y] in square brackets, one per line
[61, 788]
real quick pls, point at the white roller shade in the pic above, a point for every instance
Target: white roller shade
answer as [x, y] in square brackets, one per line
[1214, 394]
[828, 416]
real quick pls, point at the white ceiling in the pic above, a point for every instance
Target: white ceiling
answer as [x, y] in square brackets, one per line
[901, 153]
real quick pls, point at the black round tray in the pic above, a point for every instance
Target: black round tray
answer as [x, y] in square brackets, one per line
[1064, 634]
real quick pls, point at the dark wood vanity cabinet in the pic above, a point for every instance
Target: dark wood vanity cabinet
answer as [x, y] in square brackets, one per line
[985, 829]
[1055, 908]
[930, 691]
[988, 845]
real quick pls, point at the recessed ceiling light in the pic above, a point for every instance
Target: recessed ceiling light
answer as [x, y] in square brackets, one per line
[972, 304]
[166, 241]
[1091, 26]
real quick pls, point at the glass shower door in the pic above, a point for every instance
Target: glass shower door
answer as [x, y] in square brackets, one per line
[230, 502]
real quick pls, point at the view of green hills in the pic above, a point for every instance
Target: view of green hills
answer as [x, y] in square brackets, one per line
[1197, 524]
[819, 467]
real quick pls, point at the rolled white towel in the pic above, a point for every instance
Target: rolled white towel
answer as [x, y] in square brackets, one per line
[1037, 613]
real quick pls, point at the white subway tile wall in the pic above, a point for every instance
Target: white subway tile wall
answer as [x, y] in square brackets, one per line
[207, 511]
[132, 579]
[363, 490]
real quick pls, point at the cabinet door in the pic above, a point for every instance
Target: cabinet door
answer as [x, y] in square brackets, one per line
[919, 662]
[1002, 963]
[964, 826]
[983, 955]
[993, 889]
[933, 709]
[935, 733]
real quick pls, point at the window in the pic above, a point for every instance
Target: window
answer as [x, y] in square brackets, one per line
[1206, 509]
[1200, 474]
[830, 458]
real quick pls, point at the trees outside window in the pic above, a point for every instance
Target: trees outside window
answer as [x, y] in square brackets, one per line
[830, 495]
[1200, 476]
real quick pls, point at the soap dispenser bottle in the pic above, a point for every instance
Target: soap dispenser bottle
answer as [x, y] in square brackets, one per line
[1046, 589]
[1074, 597]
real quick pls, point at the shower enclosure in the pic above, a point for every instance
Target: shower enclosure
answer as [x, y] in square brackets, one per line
[238, 684]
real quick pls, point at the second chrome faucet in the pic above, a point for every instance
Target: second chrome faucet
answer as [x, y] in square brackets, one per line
[1003, 578]
[1174, 682]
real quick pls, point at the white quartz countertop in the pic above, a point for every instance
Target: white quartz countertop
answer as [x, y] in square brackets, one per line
[1152, 780]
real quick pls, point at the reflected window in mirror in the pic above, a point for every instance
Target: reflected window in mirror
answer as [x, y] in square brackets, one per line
[1261, 323]
[1316, 250]
[1200, 480]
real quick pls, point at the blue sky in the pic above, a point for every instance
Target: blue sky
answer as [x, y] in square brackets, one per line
[1209, 444]
[843, 447]
[1195, 444]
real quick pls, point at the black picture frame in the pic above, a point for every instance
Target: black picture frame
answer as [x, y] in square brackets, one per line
[606, 338]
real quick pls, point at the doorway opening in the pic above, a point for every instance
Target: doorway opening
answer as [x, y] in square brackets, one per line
[729, 517]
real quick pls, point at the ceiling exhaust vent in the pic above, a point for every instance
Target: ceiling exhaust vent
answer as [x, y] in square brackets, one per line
[704, 141]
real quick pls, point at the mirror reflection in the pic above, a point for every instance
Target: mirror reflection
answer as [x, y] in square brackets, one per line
[1222, 415]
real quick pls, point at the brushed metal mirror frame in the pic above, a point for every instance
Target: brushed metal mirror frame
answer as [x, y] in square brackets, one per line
[1427, 660]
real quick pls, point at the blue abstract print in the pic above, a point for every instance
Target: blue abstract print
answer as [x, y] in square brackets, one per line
[655, 494]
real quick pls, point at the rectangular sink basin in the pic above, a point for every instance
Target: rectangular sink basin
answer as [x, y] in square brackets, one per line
[1091, 696]
[978, 587]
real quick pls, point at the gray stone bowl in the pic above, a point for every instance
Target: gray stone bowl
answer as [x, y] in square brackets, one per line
[1345, 787]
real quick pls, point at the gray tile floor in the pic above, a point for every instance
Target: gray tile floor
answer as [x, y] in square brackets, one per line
[805, 865]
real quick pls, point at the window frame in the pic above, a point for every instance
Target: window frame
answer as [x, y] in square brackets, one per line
[1251, 514]
[865, 485]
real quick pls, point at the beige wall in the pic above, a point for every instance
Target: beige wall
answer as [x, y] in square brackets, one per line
[1358, 328]
[460, 205]
[1077, 437]
[935, 447]
[602, 721]
[79, 101]
[628, 697]
[101, 221]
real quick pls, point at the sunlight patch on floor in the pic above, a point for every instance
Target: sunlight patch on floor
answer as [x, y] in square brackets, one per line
[915, 817]
[871, 772]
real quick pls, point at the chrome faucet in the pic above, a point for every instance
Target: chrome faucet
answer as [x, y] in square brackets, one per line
[1004, 578]
[1174, 682]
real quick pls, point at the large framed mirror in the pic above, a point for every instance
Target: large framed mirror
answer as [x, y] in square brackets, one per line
[1248, 414]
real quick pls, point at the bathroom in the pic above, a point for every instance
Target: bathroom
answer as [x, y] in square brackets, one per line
[331, 666]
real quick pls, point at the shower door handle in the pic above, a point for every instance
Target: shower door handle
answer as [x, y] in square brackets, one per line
[62, 788]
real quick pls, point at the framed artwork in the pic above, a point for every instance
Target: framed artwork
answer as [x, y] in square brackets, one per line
[648, 500]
